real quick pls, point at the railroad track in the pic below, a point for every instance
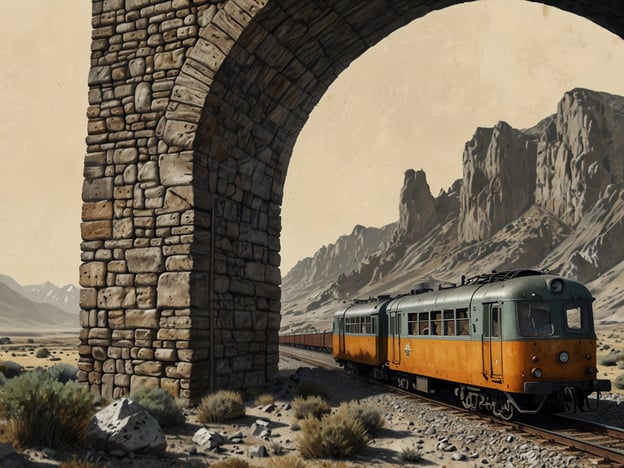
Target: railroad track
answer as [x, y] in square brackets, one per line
[595, 439]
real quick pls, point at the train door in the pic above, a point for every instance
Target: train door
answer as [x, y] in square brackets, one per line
[395, 336]
[492, 342]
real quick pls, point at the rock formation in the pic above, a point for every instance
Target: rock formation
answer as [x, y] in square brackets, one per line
[551, 196]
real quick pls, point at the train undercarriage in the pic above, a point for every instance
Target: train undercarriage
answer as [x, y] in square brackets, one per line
[504, 405]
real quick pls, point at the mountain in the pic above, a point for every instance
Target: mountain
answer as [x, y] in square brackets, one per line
[551, 196]
[37, 307]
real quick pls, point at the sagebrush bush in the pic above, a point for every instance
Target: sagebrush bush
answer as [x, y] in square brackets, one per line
[619, 382]
[220, 406]
[42, 411]
[307, 388]
[312, 406]
[160, 404]
[371, 418]
[11, 369]
[410, 454]
[63, 372]
[42, 353]
[3, 379]
[84, 463]
[333, 436]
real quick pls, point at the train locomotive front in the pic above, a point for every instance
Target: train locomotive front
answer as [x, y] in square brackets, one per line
[511, 342]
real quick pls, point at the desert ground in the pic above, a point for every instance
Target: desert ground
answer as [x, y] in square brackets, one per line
[406, 425]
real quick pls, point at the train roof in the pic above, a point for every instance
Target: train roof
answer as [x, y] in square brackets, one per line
[497, 286]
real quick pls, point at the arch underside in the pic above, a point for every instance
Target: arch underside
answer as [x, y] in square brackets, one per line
[191, 288]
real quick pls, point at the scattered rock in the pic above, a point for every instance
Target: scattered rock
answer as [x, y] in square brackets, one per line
[208, 440]
[124, 426]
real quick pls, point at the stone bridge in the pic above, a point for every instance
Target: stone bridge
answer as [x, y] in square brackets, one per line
[194, 108]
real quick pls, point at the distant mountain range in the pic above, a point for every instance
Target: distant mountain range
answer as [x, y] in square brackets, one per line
[38, 307]
[551, 196]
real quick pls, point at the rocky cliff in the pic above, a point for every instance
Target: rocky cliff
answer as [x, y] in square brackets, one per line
[551, 196]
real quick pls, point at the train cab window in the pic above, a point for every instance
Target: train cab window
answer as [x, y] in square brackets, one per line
[575, 317]
[449, 322]
[534, 319]
[462, 322]
[496, 322]
[412, 324]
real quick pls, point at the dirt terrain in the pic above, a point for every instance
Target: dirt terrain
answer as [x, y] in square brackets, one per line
[441, 440]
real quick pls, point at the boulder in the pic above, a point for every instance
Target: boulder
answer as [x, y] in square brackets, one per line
[125, 426]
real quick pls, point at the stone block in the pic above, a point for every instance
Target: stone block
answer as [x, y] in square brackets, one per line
[139, 318]
[96, 230]
[92, 211]
[174, 289]
[93, 274]
[97, 189]
[144, 260]
[150, 368]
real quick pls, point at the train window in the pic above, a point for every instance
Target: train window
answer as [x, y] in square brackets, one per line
[449, 322]
[575, 317]
[412, 324]
[462, 322]
[423, 323]
[436, 323]
[496, 322]
[534, 319]
[366, 324]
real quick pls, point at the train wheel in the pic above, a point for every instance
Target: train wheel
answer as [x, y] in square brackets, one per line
[504, 411]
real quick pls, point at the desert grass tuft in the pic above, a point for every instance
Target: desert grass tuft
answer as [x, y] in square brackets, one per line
[232, 462]
[288, 461]
[410, 454]
[333, 436]
[220, 406]
[371, 418]
[265, 399]
[311, 406]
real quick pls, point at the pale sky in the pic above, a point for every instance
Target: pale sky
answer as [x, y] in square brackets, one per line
[410, 102]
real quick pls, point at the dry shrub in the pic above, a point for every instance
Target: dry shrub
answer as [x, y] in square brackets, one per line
[371, 418]
[312, 406]
[410, 454]
[333, 436]
[265, 399]
[221, 406]
[161, 405]
[307, 388]
[289, 461]
[232, 462]
[42, 411]
[84, 463]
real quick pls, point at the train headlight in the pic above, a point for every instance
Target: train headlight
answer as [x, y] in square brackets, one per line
[564, 357]
[591, 370]
[556, 286]
[537, 373]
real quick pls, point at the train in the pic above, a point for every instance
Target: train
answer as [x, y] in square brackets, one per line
[511, 342]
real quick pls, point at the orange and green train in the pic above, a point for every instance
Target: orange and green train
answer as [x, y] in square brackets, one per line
[512, 342]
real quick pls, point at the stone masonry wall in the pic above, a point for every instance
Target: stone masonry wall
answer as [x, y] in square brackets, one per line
[194, 108]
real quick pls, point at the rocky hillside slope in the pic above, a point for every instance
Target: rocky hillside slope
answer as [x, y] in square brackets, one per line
[551, 196]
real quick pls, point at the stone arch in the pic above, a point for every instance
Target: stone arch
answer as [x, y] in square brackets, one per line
[195, 106]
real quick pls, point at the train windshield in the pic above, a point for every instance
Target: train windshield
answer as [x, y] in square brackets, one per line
[577, 317]
[534, 319]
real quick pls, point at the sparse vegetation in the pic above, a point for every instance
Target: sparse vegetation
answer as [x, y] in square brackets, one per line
[410, 454]
[42, 353]
[333, 436]
[371, 418]
[289, 461]
[311, 406]
[160, 404]
[232, 462]
[63, 372]
[10, 369]
[307, 388]
[276, 448]
[84, 463]
[42, 411]
[221, 406]
[265, 399]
